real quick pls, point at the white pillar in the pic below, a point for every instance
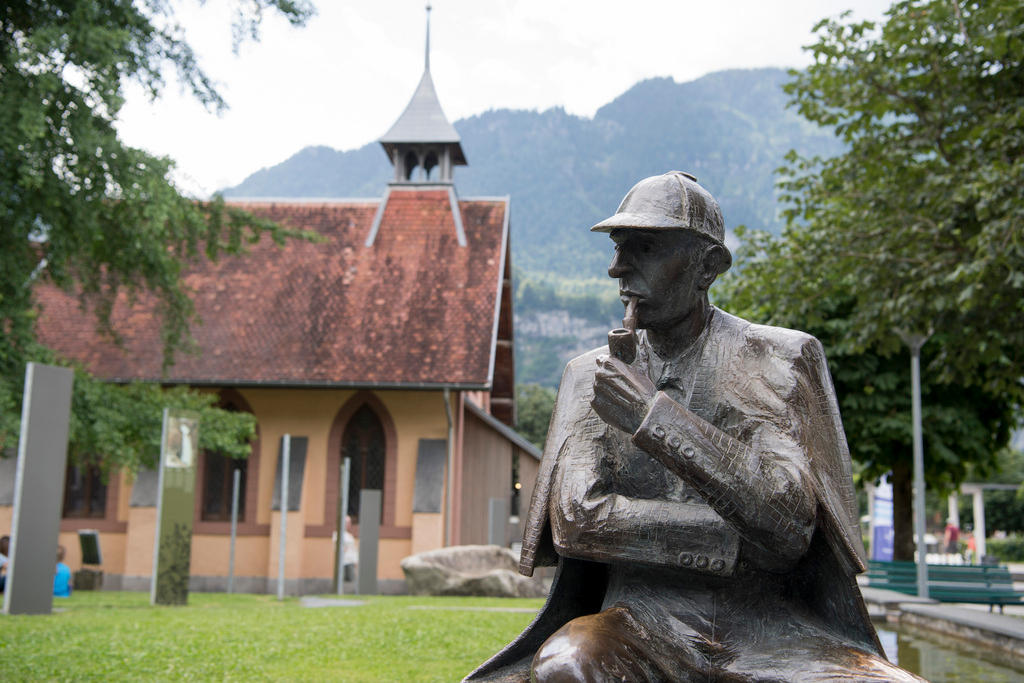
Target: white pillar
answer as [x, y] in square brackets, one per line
[979, 522]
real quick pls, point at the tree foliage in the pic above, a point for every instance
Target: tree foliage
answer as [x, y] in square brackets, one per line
[120, 427]
[917, 226]
[534, 405]
[922, 218]
[80, 208]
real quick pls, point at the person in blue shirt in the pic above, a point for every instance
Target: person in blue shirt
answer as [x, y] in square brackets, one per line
[62, 578]
[5, 550]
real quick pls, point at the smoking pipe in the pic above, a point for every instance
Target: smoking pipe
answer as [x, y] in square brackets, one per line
[622, 341]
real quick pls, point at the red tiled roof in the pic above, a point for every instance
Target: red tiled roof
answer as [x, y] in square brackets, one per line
[413, 309]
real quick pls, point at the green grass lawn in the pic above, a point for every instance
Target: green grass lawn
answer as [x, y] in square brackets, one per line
[119, 636]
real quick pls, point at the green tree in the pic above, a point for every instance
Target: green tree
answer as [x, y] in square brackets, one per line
[921, 218]
[97, 217]
[534, 404]
[120, 427]
[916, 226]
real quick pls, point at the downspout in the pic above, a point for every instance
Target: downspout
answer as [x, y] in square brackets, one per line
[451, 467]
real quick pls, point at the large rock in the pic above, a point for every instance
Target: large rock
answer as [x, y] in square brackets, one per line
[480, 570]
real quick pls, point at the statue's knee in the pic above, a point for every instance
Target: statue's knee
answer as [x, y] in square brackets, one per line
[597, 647]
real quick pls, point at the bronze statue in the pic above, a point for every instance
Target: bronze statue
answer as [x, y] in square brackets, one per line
[697, 499]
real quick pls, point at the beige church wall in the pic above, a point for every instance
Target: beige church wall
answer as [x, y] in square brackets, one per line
[417, 415]
[211, 555]
[112, 549]
[318, 558]
[138, 557]
[294, 543]
[299, 412]
[414, 415]
[113, 545]
[6, 514]
[389, 558]
[427, 531]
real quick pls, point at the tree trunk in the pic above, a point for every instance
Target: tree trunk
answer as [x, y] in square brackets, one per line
[903, 511]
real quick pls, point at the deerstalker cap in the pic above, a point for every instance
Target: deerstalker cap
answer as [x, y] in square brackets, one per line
[673, 201]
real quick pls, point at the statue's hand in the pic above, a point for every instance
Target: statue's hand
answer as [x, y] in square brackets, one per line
[622, 396]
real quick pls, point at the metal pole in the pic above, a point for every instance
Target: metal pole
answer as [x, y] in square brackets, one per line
[235, 484]
[915, 407]
[449, 475]
[342, 518]
[286, 448]
[339, 538]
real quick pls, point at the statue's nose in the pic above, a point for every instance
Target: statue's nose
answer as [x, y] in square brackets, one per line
[618, 267]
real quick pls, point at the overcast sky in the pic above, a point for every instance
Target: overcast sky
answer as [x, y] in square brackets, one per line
[344, 78]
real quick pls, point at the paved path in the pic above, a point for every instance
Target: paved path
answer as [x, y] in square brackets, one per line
[310, 601]
[968, 622]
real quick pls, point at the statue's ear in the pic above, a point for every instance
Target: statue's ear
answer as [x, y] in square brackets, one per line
[716, 259]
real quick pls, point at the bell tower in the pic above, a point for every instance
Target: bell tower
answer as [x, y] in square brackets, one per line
[423, 145]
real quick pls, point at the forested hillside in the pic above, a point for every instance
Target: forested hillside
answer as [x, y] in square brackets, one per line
[564, 173]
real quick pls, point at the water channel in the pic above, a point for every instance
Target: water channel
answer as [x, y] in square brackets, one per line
[942, 659]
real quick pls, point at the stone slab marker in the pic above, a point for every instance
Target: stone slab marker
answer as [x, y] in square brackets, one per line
[38, 489]
[497, 522]
[172, 546]
[369, 539]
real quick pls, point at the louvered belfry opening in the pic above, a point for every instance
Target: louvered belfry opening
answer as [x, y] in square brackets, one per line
[363, 444]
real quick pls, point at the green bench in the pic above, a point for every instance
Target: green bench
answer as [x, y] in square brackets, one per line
[979, 584]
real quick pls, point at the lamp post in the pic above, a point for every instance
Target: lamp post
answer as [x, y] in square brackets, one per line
[915, 342]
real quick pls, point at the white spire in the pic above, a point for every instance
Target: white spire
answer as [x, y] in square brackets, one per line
[426, 61]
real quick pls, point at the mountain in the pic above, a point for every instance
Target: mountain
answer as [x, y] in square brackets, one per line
[564, 173]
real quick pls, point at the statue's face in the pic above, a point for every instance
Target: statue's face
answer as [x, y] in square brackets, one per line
[663, 269]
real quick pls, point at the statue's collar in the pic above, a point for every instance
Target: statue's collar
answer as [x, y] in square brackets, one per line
[677, 371]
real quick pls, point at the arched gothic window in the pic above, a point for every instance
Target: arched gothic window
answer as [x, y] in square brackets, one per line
[363, 443]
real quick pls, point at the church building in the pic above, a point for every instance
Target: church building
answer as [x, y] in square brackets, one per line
[388, 342]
